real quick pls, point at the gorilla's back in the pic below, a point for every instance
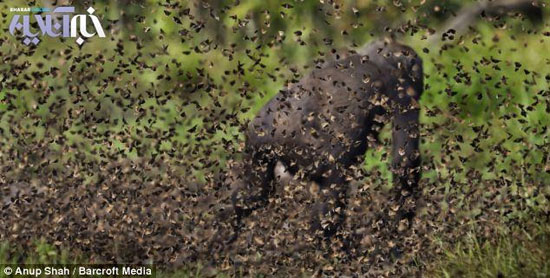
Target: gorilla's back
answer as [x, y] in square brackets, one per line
[328, 114]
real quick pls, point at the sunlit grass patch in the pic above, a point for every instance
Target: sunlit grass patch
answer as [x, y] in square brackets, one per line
[515, 253]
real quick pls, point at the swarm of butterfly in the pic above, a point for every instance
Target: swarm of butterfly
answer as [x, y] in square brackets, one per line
[114, 149]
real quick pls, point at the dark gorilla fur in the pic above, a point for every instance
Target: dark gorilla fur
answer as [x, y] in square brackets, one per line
[321, 126]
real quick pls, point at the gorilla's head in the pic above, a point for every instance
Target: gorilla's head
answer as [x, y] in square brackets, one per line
[395, 58]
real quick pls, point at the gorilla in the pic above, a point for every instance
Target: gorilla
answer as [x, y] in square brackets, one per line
[320, 126]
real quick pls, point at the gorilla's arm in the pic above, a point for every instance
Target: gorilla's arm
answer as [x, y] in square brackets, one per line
[405, 149]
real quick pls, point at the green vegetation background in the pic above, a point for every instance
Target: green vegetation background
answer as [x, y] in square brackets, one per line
[176, 87]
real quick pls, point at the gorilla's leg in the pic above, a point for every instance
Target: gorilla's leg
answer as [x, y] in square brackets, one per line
[252, 180]
[330, 201]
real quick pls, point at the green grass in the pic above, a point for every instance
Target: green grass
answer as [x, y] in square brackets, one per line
[515, 253]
